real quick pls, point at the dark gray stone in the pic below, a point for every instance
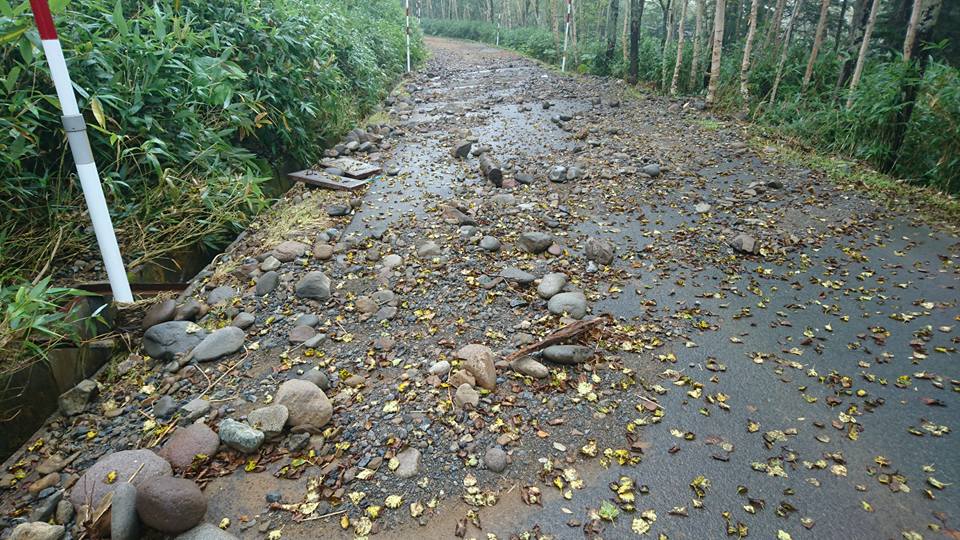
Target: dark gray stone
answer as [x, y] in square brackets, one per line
[165, 341]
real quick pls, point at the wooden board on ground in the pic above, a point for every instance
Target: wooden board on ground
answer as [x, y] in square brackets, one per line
[324, 180]
[352, 168]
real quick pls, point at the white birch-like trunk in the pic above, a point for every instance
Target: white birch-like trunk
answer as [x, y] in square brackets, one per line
[911, 38]
[697, 45]
[817, 43]
[718, 21]
[747, 50]
[676, 68]
[785, 51]
[864, 47]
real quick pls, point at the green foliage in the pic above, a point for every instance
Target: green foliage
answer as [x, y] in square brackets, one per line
[34, 320]
[187, 103]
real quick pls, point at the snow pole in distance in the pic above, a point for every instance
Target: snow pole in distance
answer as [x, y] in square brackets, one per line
[566, 35]
[408, 35]
[76, 129]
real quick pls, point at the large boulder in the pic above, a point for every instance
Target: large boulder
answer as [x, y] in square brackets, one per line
[171, 505]
[479, 360]
[120, 466]
[307, 405]
[167, 340]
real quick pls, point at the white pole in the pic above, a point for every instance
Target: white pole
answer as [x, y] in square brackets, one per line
[408, 35]
[76, 129]
[566, 36]
[499, 20]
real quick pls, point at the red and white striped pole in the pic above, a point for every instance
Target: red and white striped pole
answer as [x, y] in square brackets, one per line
[566, 36]
[76, 129]
[408, 35]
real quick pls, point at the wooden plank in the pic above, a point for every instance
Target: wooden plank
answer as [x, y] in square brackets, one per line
[352, 167]
[324, 180]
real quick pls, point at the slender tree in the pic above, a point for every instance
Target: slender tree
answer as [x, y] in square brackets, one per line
[817, 43]
[911, 38]
[718, 20]
[748, 45]
[612, 33]
[840, 21]
[676, 68]
[773, 30]
[910, 87]
[854, 38]
[668, 16]
[785, 51]
[636, 16]
[697, 45]
[864, 46]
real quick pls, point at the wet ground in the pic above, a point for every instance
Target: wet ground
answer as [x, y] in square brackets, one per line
[805, 390]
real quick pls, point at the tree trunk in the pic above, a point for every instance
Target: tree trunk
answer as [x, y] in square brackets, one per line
[860, 15]
[840, 20]
[718, 21]
[676, 68]
[612, 32]
[864, 46]
[773, 30]
[785, 51]
[745, 65]
[911, 36]
[910, 87]
[817, 43]
[625, 34]
[666, 44]
[697, 45]
[636, 15]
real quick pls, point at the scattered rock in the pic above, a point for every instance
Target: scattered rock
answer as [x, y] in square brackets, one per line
[409, 463]
[599, 251]
[551, 285]
[37, 531]
[289, 250]
[338, 210]
[479, 361]
[220, 343]
[44, 482]
[308, 406]
[270, 419]
[171, 505]
[652, 169]
[267, 283]
[240, 436]
[428, 250]
[93, 485]
[270, 264]
[64, 513]
[744, 243]
[701, 208]
[495, 459]
[534, 241]
[167, 340]
[315, 285]
[124, 522]
[526, 365]
[164, 407]
[466, 397]
[243, 320]
[490, 243]
[516, 275]
[159, 313]
[75, 400]
[221, 295]
[461, 376]
[440, 368]
[461, 150]
[301, 334]
[557, 173]
[195, 409]
[206, 531]
[323, 251]
[568, 354]
[190, 310]
[573, 304]
[317, 377]
[189, 442]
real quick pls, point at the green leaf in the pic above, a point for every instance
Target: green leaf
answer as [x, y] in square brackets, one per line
[118, 21]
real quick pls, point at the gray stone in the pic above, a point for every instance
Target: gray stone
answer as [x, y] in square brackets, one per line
[270, 264]
[301, 334]
[75, 400]
[557, 173]
[392, 261]
[195, 409]
[270, 419]
[568, 354]
[317, 377]
[171, 505]
[164, 407]
[466, 397]
[573, 304]
[124, 522]
[267, 283]
[428, 250]
[495, 459]
[524, 178]
[240, 436]
[365, 304]
[189, 310]
[440, 368]
[323, 251]
[220, 343]
[165, 341]
[221, 295]
[289, 250]
[315, 285]
[479, 360]
[526, 365]
[551, 285]
[461, 149]
[64, 513]
[573, 173]
[159, 313]
[744, 243]
[599, 251]
[243, 320]
[514, 274]
[189, 442]
[701, 208]
[206, 531]
[307, 319]
[307, 404]
[490, 243]
[315, 341]
[46, 506]
[409, 461]
[92, 486]
[338, 210]
[534, 241]
[652, 169]
[37, 530]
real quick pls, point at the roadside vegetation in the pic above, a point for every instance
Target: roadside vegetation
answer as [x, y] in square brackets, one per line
[899, 112]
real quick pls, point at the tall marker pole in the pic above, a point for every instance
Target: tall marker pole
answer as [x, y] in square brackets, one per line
[566, 36]
[499, 20]
[408, 35]
[76, 129]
